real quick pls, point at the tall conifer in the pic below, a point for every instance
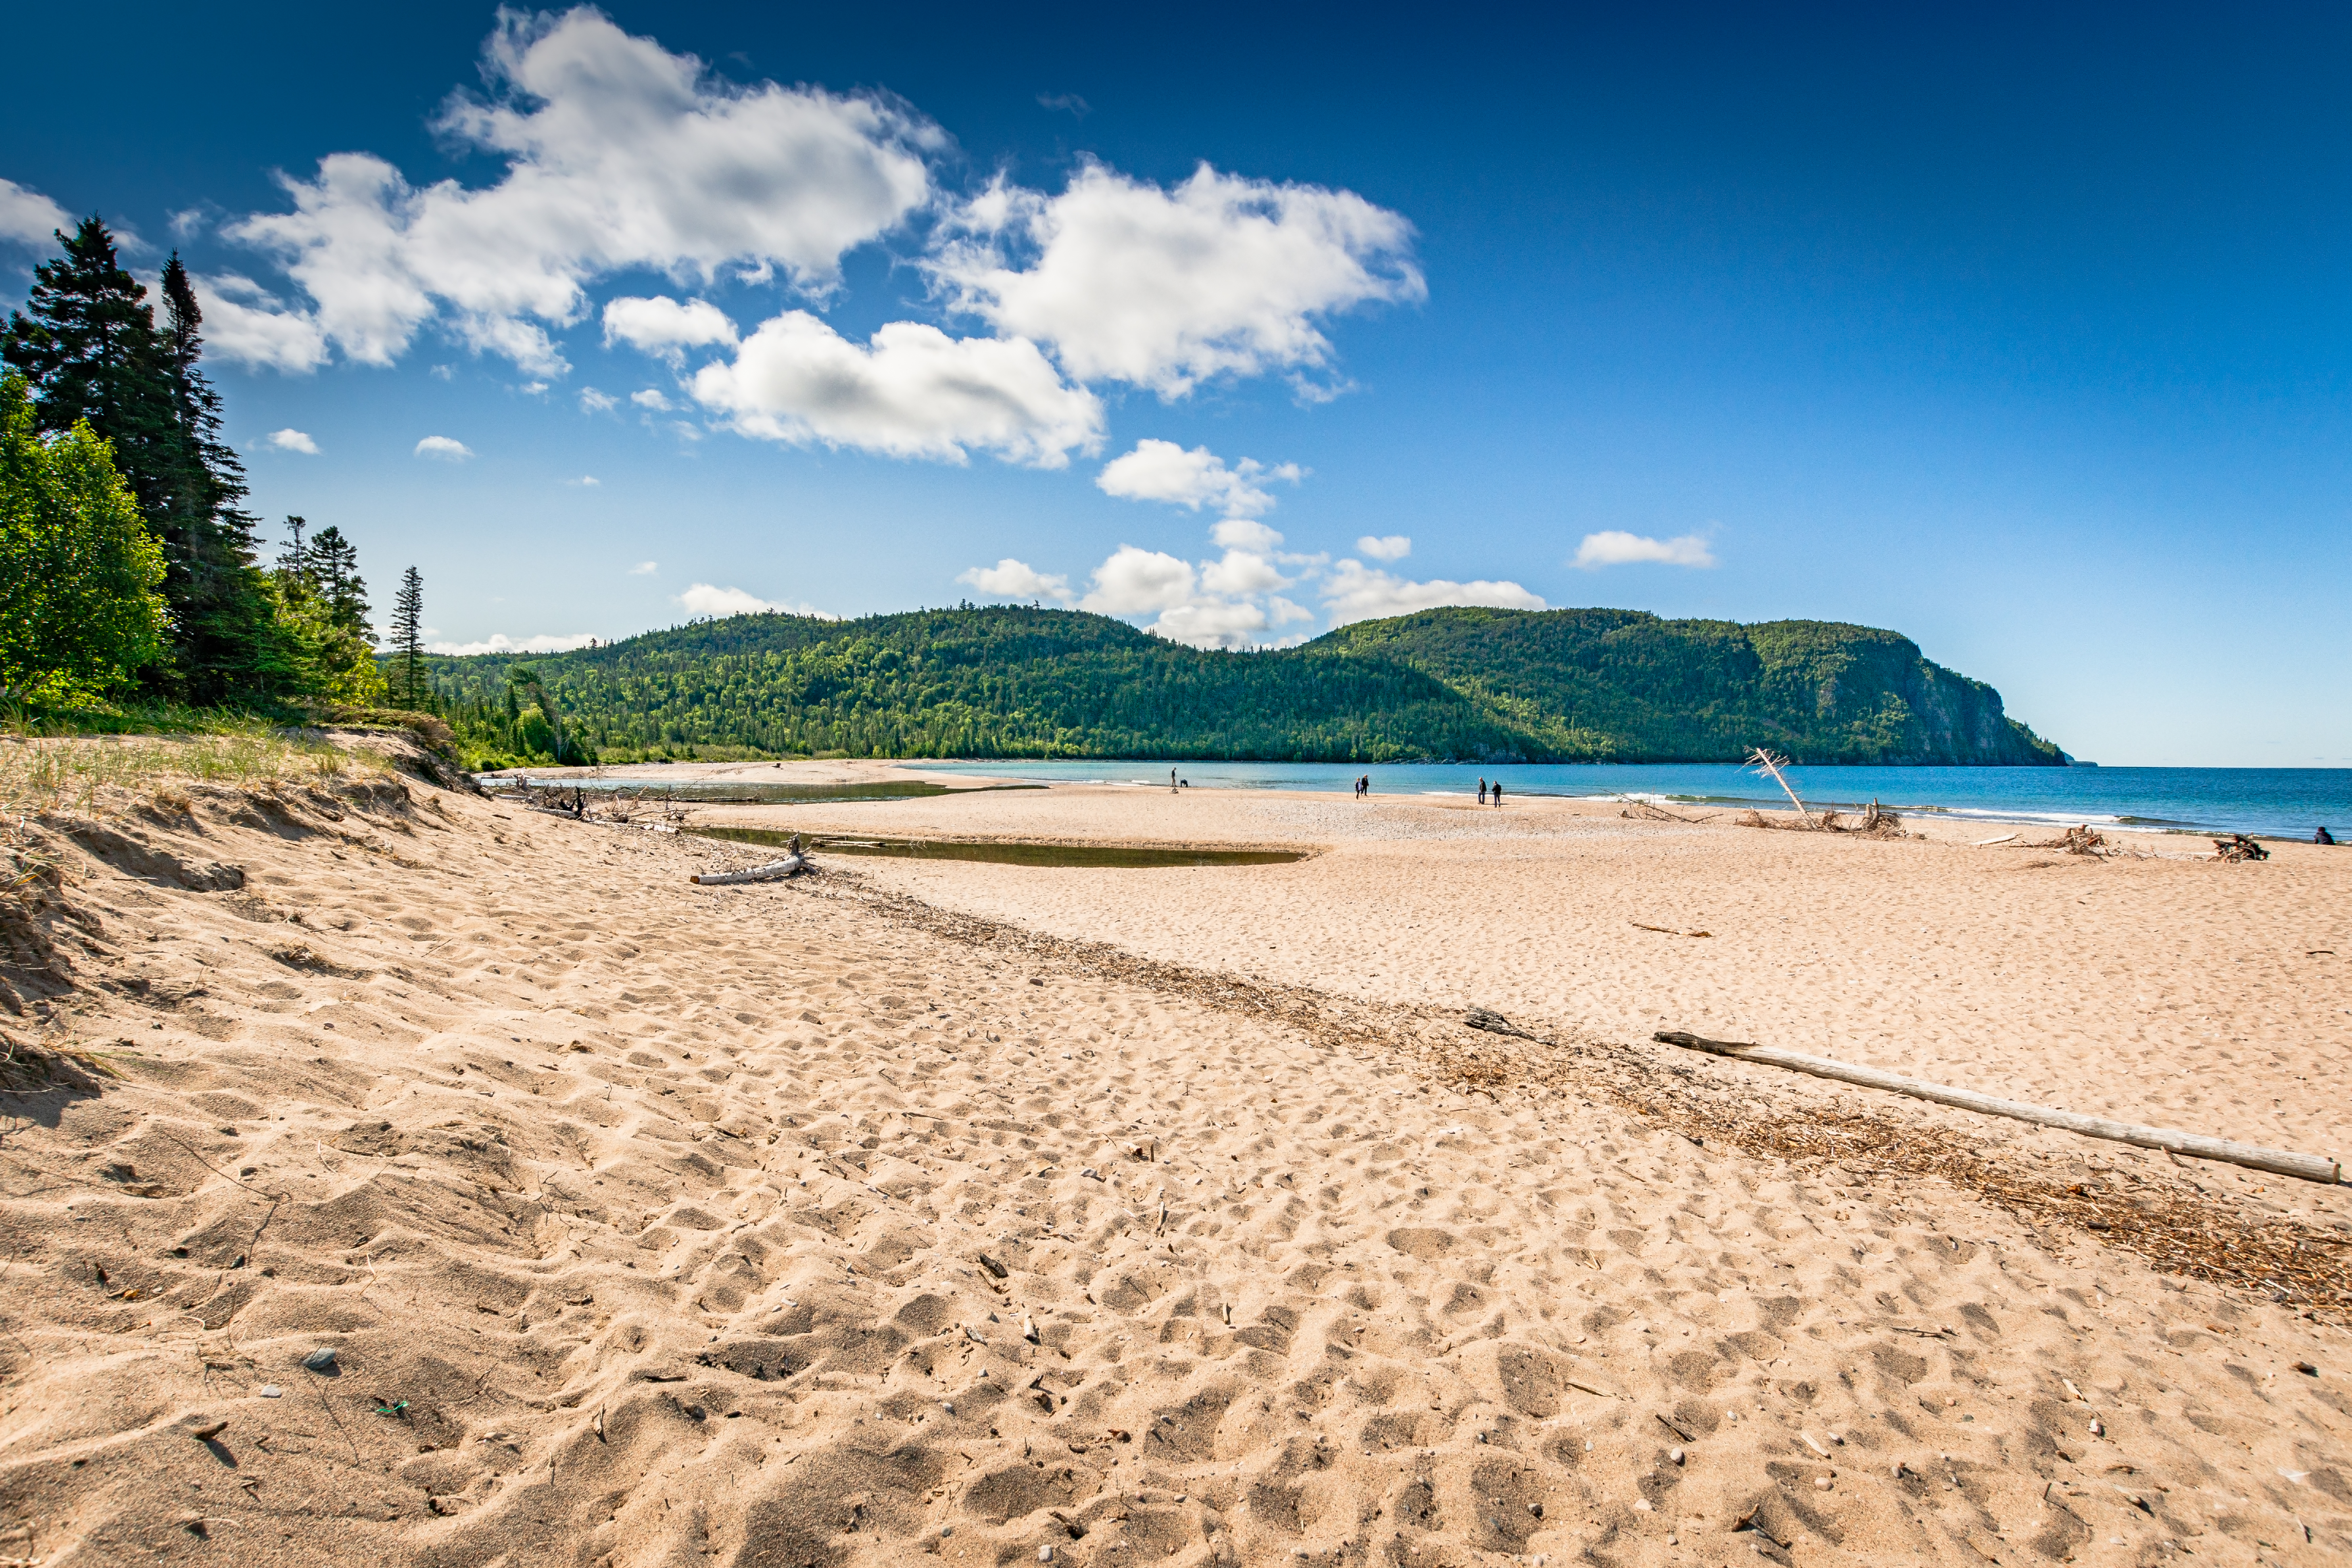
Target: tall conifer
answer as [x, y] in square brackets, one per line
[90, 350]
[408, 642]
[294, 561]
[332, 563]
[90, 347]
[230, 645]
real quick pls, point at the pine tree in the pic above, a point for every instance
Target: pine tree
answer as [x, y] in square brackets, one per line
[408, 689]
[332, 563]
[229, 645]
[91, 351]
[293, 560]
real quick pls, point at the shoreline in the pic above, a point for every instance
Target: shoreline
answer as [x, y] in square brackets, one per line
[970, 772]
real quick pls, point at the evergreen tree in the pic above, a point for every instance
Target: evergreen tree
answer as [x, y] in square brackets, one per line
[313, 597]
[407, 675]
[332, 563]
[293, 560]
[231, 644]
[91, 352]
[91, 349]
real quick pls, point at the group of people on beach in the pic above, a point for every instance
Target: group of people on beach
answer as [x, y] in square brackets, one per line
[1486, 792]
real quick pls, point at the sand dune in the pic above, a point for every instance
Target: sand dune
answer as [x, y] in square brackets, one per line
[1005, 1214]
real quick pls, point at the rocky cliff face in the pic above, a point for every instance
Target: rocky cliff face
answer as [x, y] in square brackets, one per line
[1627, 686]
[1879, 699]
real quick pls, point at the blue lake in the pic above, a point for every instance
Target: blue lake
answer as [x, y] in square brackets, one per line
[2283, 802]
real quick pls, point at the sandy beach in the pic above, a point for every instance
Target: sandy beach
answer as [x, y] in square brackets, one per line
[922, 1209]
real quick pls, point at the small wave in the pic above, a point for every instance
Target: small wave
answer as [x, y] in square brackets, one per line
[1996, 813]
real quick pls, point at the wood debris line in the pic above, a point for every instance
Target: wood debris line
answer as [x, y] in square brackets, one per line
[1876, 822]
[2317, 1168]
[2166, 1218]
[1648, 810]
[2079, 840]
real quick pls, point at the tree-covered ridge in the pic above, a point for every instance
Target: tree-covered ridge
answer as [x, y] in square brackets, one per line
[1651, 690]
[1002, 682]
[1469, 684]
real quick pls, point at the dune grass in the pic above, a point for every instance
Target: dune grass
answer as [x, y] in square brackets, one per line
[76, 774]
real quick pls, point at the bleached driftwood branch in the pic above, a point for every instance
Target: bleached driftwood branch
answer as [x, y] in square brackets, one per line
[789, 866]
[2278, 1162]
[1766, 764]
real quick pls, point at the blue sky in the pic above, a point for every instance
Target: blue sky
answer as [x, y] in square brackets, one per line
[2021, 335]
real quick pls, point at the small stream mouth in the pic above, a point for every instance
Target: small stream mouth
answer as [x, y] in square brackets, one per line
[1132, 857]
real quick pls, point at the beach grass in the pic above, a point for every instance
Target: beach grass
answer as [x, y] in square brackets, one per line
[76, 774]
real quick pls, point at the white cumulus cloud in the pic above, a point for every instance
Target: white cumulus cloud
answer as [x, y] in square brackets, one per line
[1213, 623]
[248, 324]
[1614, 547]
[1011, 579]
[1386, 547]
[1136, 582]
[1241, 573]
[620, 156]
[499, 642]
[911, 391]
[28, 218]
[1355, 591]
[703, 599]
[1225, 603]
[443, 449]
[293, 441]
[595, 402]
[643, 569]
[652, 397]
[662, 327]
[1164, 471]
[1245, 533]
[1164, 288]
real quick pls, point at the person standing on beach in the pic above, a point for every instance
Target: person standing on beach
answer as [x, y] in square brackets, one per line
[1482, 791]
[1172, 781]
[1498, 794]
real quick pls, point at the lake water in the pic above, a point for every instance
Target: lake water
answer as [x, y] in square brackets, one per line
[2283, 802]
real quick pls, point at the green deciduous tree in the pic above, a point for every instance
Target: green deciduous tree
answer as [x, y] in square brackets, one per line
[79, 613]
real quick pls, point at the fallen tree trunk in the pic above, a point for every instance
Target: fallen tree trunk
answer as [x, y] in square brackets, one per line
[2278, 1162]
[775, 871]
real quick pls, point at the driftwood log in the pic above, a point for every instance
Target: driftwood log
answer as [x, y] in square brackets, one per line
[2278, 1162]
[775, 871]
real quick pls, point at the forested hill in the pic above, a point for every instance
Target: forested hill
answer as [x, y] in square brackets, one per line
[1469, 684]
